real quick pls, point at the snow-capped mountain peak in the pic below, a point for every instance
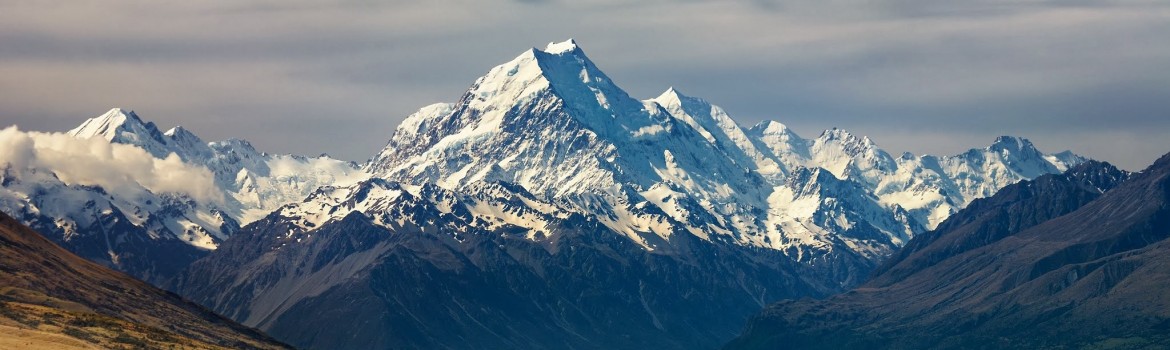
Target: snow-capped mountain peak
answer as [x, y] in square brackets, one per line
[670, 97]
[717, 127]
[849, 142]
[531, 105]
[849, 156]
[186, 144]
[244, 185]
[180, 132]
[562, 47]
[697, 113]
[1066, 159]
[770, 127]
[589, 94]
[124, 126]
[559, 75]
[784, 143]
[1020, 156]
[110, 125]
[1012, 144]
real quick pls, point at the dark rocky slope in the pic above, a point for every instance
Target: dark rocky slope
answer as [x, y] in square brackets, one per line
[46, 289]
[354, 285]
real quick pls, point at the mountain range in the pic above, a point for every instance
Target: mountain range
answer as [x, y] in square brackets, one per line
[1064, 261]
[118, 191]
[545, 208]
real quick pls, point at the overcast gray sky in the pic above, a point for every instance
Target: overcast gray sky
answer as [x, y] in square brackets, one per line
[925, 76]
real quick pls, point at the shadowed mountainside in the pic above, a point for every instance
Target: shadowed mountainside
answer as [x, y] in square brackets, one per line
[51, 298]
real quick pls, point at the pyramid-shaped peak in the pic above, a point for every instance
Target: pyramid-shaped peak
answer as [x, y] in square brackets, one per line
[672, 98]
[673, 95]
[561, 47]
[182, 135]
[670, 93]
[669, 97]
[110, 124]
[559, 62]
[562, 72]
[178, 130]
[119, 115]
[118, 111]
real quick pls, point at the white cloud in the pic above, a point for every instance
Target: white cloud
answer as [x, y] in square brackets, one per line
[117, 168]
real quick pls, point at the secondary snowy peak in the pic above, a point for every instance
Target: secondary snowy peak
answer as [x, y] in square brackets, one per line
[109, 125]
[932, 188]
[851, 157]
[1008, 160]
[814, 215]
[162, 201]
[849, 143]
[1018, 148]
[144, 215]
[252, 183]
[1019, 156]
[717, 127]
[780, 142]
[843, 154]
[126, 127]
[186, 144]
[673, 98]
[123, 126]
[696, 113]
[1029, 161]
[1066, 158]
[184, 136]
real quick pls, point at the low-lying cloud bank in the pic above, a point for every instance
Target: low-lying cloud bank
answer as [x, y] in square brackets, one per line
[117, 168]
